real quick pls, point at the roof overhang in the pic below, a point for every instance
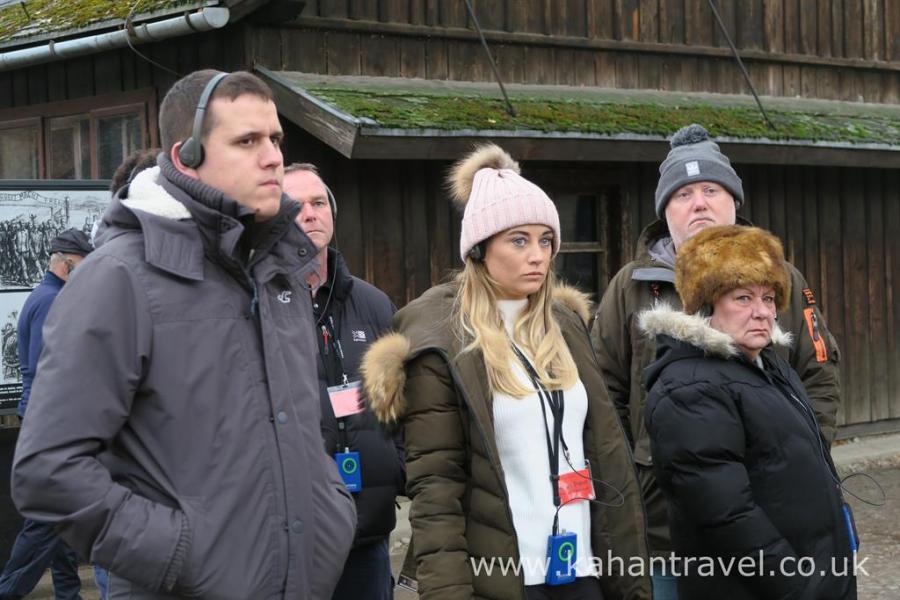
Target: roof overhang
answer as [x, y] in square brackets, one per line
[406, 119]
[56, 22]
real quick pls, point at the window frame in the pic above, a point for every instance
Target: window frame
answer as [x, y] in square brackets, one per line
[140, 102]
[606, 183]
[29, 122]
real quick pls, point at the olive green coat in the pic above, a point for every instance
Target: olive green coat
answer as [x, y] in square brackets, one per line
[460, 509]
[624, 352]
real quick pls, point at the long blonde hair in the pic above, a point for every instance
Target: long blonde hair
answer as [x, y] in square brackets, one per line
[481, 327]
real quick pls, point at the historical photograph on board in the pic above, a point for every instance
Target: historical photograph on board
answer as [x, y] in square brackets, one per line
[30, 219]
[11, 302]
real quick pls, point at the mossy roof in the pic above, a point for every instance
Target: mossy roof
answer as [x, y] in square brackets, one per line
[398, 109]
[383, 104]
[22, 21]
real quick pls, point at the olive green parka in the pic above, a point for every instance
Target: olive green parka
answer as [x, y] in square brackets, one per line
[624, 352]
[460, 510]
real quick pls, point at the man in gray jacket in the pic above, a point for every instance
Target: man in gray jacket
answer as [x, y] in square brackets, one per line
[173, 433]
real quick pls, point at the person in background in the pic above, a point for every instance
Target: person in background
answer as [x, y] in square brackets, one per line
[350, 314]
[736, 447]
[133, 164]
[697, 188]
[38, 546]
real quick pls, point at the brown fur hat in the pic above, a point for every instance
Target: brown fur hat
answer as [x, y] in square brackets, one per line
[720, 259]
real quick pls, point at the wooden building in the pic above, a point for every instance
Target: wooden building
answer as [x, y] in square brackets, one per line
[384, 94]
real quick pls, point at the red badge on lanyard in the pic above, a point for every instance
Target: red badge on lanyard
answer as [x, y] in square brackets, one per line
[576, 485]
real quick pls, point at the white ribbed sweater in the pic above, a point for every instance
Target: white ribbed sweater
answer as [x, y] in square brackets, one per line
[521, 442]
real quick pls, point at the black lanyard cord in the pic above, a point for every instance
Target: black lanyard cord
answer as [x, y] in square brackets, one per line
[329, 330]
[556, 401]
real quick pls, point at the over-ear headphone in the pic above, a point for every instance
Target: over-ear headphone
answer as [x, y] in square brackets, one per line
[191, 151]
[331, 199]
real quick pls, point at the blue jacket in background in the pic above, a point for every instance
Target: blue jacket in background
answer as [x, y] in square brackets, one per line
[29, 336]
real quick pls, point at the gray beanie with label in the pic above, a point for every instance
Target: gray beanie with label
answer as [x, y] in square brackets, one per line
[695, 157]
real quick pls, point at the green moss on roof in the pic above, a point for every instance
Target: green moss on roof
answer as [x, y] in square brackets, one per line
[63, 15]
[404, 110]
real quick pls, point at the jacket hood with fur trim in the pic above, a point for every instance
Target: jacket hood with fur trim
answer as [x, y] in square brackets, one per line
[696, 331]
[690, 336]
[383, 366]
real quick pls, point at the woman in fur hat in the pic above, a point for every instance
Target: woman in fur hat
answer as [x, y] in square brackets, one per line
[503, 406]
[735, 444]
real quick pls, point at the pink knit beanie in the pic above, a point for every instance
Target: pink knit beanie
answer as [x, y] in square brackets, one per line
[487, 185]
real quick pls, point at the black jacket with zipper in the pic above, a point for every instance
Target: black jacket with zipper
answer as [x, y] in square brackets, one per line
[743, 464]
[355, 313]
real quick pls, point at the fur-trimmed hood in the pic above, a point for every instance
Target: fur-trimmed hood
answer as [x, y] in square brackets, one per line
[696, 331]
[691, 336]
[383, 366]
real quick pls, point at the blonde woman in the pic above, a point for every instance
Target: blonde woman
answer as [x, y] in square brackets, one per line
[503, 408]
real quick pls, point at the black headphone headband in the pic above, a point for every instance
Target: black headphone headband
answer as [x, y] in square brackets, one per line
[191, 151]
[331, 200]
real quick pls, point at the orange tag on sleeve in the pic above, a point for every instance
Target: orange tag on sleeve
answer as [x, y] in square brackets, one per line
[576, 485]
[812, 325]
[810, 298]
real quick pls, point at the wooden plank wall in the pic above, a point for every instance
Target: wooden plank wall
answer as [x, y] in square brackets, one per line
[841, 50]
[839, 227]
[856, 29]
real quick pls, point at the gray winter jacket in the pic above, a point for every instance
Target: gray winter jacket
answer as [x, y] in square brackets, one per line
[173, 431]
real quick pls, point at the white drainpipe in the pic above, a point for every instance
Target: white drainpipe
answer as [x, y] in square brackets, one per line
[206, 19]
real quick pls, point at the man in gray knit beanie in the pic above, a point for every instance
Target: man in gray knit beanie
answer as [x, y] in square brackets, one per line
[701, 179]
[697, 189]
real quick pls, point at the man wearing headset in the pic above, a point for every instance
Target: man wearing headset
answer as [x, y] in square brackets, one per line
[38, 546]
[173, 432]
[349, 315]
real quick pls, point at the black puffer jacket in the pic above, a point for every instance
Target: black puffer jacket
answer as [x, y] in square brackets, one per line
[746, 470]
[357, 313]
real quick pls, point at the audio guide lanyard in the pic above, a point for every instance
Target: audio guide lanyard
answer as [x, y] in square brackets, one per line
[555, 400]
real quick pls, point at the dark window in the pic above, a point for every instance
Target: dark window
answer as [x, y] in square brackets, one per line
[591, 236]
[581, 248]
[78, 139]
[589, 202]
